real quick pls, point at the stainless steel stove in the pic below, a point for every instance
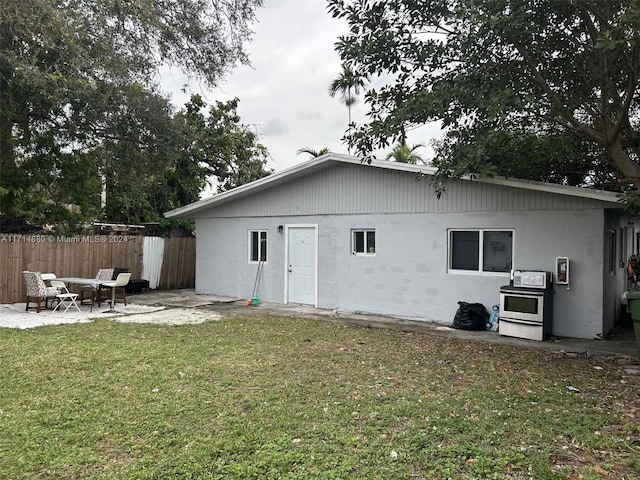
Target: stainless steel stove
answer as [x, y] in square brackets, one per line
[526, 305]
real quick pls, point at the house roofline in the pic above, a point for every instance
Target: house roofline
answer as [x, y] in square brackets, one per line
[324, 161]
[581, 192]
[282, 176]
[603, 195]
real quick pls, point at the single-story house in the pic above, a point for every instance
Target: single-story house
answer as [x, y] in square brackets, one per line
[336, 233]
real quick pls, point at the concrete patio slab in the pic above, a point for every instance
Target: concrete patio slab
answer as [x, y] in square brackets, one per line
[15, 316]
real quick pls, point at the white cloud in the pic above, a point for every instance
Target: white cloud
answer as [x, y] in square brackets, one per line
[284, 93]
[275, 127]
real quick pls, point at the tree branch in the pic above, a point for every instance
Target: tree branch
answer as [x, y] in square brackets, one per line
[555, 99]
[631, 88]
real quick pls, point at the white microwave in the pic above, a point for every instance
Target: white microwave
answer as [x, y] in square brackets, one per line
[532, 279]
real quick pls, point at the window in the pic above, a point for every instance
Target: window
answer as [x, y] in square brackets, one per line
[257, 245]
[481, 250]
[612, 252]
[363, 242]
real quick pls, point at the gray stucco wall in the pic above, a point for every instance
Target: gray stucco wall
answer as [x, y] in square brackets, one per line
[408, 275]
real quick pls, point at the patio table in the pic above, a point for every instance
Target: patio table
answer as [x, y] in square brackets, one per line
[95, 283]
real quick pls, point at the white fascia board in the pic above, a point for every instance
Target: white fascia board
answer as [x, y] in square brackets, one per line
[602, 195]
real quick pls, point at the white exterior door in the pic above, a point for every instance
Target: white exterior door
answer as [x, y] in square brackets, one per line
[302, 265]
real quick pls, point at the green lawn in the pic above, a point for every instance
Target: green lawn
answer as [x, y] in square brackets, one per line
[266, 397]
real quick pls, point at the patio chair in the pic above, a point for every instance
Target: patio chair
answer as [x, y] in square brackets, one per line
[105, 274]
[65, 296]
[47, 277]
[120, 282]
[37, 290]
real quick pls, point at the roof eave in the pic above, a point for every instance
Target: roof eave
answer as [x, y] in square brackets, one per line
[318, 163]
[191, 210]
[602, 195]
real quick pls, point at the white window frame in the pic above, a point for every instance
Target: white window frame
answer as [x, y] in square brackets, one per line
[251, 245]
[364, 232]
[481, 232]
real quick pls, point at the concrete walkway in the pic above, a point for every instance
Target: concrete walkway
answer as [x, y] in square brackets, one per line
[184, 306]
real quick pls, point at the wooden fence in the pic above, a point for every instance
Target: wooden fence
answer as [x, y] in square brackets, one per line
[82, 256]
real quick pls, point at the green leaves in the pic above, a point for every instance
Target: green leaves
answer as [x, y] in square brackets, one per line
[522, 68]
[220, 144]
[403, 153]
[314, 153]
[78, 100]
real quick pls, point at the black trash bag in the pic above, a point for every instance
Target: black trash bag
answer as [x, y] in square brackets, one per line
[471, 316]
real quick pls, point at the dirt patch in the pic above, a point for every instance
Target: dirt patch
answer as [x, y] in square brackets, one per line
[172, 316]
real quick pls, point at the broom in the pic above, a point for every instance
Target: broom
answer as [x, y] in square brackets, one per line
[255, 300]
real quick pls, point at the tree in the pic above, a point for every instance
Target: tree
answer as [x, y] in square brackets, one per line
[520, 69]
[314, 153]
[219, 145]
[556, 157]
[403, 153]
[348, 86]
[138, 144]
[65, 64]
[179, 158]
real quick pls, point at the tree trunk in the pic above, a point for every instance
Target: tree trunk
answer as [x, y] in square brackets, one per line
[623, 162]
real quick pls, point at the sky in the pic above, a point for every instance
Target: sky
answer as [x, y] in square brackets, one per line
[284, 93]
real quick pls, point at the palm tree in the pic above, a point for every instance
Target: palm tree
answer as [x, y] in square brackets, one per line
[314, 153]
[402, 153]
[348, 85]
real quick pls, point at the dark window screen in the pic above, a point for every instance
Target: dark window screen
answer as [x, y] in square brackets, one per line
[465, 250]
[254, 246]
[263, 246]
[371, 242]
[358, 240]
[497, 251]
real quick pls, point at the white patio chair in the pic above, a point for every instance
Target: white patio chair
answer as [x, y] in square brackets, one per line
[47, 277]
[120, 282]
[65, 296]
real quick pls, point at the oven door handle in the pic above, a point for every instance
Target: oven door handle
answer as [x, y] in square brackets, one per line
[520, 293]
[521, 322]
